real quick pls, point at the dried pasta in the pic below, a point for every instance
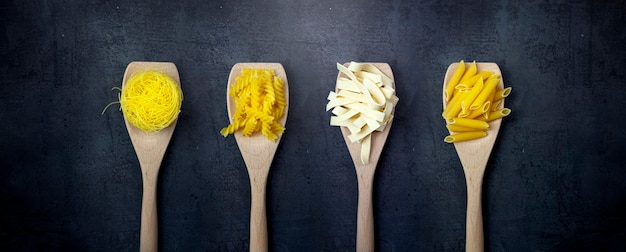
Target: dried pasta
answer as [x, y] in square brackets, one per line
[458, 128]
[469, 73]
[465, 136]
[458, 73]
[151, 100]
[260, 102]
[470, 123]
[500, 94]
[491, 85]
[363, 103]
[472, 102]
[498, 114]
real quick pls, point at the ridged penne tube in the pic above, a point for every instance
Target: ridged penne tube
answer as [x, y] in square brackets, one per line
[457, 91]
[454, 106]
[461, 86]
[457, 128]
[477, 99]
[465, 136]
[495, 115]
[490, 98]
[496, 105]
[478, 112]
[485, 116]
[458, 73]
[471, 123]
[464, 109]
[491, 85]
[473, 93]
[469, 73]
[471, 81]
[502, 93]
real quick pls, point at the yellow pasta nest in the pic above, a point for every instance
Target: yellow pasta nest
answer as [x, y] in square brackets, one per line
[259, 103]
[151, 100]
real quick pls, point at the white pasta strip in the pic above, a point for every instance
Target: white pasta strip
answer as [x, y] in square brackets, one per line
[363, 103]
[366, 145]
[357, 136]
[356, 67]
[366, 111]
[338, 101]
[347, 115]
[339, 110]
[377, 95]
[371, 76]
[359, 122]
[346, 84]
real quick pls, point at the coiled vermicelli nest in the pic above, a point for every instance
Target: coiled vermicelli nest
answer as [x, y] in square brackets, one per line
[151, 100]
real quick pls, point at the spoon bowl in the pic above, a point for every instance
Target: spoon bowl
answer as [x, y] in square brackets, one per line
[258, 153]
[474, 155]
[150, 149]
[365, 174]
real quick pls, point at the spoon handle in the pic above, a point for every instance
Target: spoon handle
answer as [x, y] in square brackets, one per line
[258, 215]
[474, 237]
[149, 223]
[365, 216]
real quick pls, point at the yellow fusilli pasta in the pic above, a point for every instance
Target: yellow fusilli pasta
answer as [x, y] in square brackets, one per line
[260, 102]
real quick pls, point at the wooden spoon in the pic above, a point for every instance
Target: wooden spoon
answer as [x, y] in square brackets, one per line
[474, 155]
[258, 153]
[365, 175]
[150, 149]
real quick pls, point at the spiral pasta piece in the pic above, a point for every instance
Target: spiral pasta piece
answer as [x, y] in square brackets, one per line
[259, 101]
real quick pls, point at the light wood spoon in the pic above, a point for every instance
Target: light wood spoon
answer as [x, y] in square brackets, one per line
[150, 149]
[365, 174]
[474, 155]
[258, 153]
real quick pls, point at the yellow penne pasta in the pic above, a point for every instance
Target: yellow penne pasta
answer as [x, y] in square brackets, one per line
[471, 81]
[497, 76]
[457, 128]
[477, 112]
[464, 110]
[478, 87]
[502, 93]
[490, 98]
[461, 86]
[474, 103]
[460, 137]
[456, 76]
[471, 71]
[491, 85]
[457, 91]
[496, 105]
[471, 123]
[454, 106]
[495, 115]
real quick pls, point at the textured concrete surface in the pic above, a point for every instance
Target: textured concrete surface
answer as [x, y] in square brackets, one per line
[69, 179]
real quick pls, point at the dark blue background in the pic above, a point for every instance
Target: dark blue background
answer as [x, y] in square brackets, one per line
[70, 180]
